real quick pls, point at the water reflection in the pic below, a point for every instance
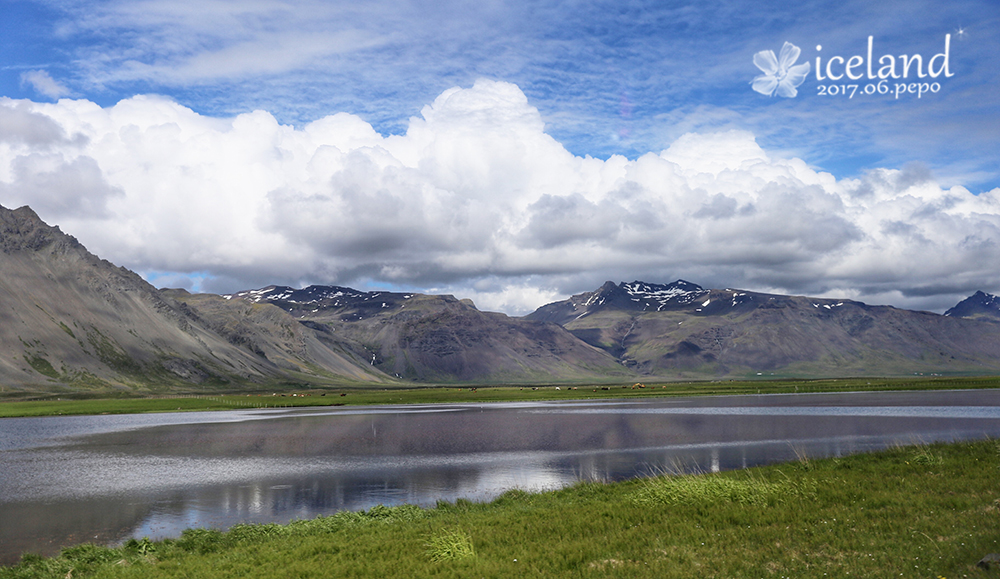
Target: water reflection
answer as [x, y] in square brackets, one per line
[66, 480]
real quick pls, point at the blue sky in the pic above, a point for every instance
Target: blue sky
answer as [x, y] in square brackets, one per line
[605, 78]
[608, 77]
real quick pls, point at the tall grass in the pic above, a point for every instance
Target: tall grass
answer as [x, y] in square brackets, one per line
[745, 488]
[450, 544]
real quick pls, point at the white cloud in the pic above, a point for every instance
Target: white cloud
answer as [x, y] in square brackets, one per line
[20, 125]
[60, 187]
[477, 200]
[44, 84]
[263, 55]
[180, 43]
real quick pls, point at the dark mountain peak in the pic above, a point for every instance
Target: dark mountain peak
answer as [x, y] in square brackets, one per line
[980, 294]
[25, 214]
[979, 304]
[23, 230]
[609, 290]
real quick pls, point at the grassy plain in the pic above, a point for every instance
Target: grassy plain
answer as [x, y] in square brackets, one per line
[297, 397]
[928, 511]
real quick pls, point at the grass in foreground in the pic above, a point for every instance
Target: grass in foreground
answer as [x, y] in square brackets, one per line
[366, 396]
[931, 511]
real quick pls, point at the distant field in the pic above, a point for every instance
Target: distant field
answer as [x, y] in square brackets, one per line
[287, 398]
[924, 511]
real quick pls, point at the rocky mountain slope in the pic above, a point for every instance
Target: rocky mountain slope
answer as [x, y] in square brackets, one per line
[437, 337]
[273, 334]
[71, 320]
[684, 330]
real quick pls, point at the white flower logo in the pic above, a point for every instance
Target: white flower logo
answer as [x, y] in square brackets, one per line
[779, 74]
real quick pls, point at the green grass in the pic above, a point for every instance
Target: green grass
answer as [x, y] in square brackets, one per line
[749, 490]
[929, 511]
[291, 396]
[449, 545]
[42, 366]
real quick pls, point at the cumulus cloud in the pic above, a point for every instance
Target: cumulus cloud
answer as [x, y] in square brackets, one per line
[476, 199]
[20, 125]
[60, 187]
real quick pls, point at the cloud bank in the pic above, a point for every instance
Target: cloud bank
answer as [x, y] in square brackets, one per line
[476, 199]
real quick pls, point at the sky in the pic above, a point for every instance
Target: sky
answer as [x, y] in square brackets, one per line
[514, 153]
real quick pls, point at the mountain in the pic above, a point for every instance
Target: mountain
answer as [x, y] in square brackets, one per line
[978, 305]
[630, 297]
[684, 330]
[71, 320]
[436, 337]
[273, 334]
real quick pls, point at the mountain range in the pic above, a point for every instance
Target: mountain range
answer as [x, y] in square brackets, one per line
[684, 330]
[70, 321]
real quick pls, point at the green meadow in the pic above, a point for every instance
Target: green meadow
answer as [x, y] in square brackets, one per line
[290, 396]
[926, 511]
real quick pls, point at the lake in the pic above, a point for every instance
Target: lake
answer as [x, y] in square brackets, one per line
[66, 480]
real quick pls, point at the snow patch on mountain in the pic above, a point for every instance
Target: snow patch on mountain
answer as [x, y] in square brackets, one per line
[313, 294]
[679, 292]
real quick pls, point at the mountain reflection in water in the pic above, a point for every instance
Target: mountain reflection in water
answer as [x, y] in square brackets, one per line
[105, 479]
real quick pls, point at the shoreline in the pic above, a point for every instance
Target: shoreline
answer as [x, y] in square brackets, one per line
[920, 511]
[314, 397]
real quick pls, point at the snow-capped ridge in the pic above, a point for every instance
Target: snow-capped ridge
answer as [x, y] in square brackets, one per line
[313, 294]
[680, 291]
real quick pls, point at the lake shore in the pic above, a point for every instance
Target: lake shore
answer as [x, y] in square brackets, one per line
[77, 404]
[919, 511]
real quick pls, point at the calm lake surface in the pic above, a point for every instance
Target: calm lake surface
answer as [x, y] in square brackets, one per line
[66, 480]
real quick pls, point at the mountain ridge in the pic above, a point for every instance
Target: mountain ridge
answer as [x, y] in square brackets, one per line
[421, 337]
[72, 321]
[698, 332]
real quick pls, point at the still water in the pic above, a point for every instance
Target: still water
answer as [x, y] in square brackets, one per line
[66, 480]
